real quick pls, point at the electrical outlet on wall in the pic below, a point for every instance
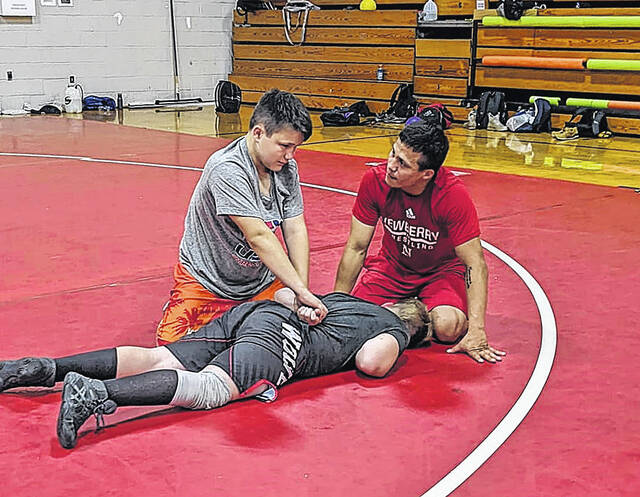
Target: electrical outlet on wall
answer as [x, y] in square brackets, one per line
[9, 75]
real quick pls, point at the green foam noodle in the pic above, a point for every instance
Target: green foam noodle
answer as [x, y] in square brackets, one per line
[613, 65]
[568, 21]
[551, 100]
[565, 21]
[588, 102]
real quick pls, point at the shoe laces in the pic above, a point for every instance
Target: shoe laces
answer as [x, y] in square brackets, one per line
[107, 407]
[87, 397]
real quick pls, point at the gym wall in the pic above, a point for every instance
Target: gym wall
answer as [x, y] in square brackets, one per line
[115, 47]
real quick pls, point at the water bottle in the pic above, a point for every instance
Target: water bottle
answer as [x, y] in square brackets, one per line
[429, 11]
[380, 73]
[73, 97]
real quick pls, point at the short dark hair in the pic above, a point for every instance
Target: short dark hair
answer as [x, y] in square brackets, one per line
[415, 315]
[428, 140]
[280, 109]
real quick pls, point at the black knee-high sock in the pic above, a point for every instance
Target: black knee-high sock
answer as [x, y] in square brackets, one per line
[100, 364]
[154, 388]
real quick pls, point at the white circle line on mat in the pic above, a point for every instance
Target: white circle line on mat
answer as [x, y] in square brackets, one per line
[529, 395]
[523, 404]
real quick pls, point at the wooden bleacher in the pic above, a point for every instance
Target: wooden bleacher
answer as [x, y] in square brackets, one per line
[585, 43]
[337, 62]
[343, 48]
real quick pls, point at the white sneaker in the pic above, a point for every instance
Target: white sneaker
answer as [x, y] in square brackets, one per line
[471, 120]
[494, 123]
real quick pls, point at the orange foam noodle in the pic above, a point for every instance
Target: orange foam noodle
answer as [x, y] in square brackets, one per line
[620, 104]
[544, 62]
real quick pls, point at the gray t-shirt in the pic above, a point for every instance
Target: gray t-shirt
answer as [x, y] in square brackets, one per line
[213, 248]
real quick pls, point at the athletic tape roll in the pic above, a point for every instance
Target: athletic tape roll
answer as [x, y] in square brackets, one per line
[613, 64]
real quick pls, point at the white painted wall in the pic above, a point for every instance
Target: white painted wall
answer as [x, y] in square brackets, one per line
[134, 58]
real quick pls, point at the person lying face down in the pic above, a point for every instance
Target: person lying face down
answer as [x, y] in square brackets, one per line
[251, 350]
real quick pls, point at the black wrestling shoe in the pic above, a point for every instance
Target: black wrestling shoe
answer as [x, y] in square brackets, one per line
[27, 372]
[81, 397]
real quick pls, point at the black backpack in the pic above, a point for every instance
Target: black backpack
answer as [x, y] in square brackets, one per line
[436, 114]
[346, 116]
[491, 102]
[542, 116]
[228, 97]
[589, 122]
[511, 9]
[48, 109]
[402, 103]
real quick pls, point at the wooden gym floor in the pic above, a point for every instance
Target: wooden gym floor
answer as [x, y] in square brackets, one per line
[610, 162]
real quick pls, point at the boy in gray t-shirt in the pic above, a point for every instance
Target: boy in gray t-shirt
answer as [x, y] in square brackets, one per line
[213, 248]
[229, 252]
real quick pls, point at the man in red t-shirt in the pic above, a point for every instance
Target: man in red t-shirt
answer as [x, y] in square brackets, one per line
[431, 246]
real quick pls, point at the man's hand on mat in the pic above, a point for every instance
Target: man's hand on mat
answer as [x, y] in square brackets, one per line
[476, 346]
[310, 308]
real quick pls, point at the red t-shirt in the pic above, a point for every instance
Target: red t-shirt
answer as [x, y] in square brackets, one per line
[420, 231]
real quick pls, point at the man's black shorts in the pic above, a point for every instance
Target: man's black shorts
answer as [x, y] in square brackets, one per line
[251, 342]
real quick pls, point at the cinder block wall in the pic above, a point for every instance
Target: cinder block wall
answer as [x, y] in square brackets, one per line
[133, 57]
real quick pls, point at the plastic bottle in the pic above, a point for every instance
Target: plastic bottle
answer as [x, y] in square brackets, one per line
[380, 73]
[429, 11]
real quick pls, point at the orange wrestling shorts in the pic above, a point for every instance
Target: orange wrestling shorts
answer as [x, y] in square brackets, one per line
[191, 306]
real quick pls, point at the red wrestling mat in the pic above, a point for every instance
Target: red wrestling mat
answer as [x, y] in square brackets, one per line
[87, 250]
